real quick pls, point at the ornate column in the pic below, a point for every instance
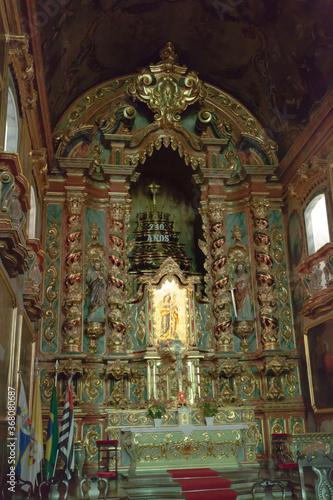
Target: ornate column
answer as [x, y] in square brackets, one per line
[72, 304]
[267, 294]
[116, 296]
[220, 272]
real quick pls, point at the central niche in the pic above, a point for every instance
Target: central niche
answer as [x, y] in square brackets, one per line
[165, 221]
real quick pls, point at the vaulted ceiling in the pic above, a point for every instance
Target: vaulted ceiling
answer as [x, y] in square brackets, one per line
[275, 56]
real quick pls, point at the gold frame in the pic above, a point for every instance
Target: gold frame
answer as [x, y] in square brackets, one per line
[309, 368]
[181, 296]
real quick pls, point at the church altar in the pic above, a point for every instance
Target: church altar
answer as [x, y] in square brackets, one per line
[183, 446]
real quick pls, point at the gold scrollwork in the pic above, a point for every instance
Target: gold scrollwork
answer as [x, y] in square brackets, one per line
[90, 442]
[166, 89]
[47, 383]
[91, 382]
[283, 293]
[51, 293]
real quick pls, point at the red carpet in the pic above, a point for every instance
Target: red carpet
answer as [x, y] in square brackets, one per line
[182, 473]
[203, 484]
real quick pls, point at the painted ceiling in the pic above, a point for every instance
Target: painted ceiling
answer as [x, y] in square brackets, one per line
[275, 56]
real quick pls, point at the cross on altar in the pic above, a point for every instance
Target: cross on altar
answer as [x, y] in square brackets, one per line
[154, 190]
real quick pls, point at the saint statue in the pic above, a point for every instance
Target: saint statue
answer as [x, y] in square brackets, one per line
[169, 318]
[243, 294]
[96, 293]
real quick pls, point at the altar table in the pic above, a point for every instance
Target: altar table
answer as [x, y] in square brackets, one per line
[185, 446]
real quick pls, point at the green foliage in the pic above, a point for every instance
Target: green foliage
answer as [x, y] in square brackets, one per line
[156, 410]
[209, 407]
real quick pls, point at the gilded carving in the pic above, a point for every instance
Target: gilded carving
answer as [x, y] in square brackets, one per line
[246, 381]
[310, 178]
[47, 384]
[141, 333]
[283, 292]
[91, 382]
[267, 293]
[72, 304]
[39, 168]
[167, 89]
[90, 443]
[23, 64]
[138, 379]
[220, 272]
[51, 277]
[117, 265]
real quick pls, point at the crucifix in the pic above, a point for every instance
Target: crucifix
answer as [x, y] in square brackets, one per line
[154, 190]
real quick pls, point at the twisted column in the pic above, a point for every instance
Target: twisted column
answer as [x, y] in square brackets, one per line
[267, 294]
[220, 272]
[72, 304]
[119, 216]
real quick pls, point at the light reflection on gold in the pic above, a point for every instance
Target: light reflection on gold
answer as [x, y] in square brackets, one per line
[170, 312]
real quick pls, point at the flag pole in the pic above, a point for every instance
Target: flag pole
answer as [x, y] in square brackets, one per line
[41, 469]
[55, 383]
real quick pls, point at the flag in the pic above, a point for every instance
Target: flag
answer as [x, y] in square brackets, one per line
[23, 429]
[52, 435]
[35, 456]
[66, 437]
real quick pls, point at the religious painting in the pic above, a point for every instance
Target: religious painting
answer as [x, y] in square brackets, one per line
[7, 338]
[319, 357]
[295, 238]
[170, 313]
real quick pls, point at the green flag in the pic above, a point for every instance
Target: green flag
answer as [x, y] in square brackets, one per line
[52, 436]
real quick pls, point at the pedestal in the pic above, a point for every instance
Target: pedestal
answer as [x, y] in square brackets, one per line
[184, 416]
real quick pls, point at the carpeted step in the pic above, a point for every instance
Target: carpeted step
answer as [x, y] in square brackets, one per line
[185, 473]
[211, 495]
[203, 483]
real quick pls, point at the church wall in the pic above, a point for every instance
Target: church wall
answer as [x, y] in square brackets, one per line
[22, 258]
[310, 284]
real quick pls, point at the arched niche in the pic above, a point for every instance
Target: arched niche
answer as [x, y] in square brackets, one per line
[177, 197]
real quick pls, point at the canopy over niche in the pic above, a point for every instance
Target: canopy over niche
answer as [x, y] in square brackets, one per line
[115, 126]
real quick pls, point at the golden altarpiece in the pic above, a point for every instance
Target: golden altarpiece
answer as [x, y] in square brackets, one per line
[166, 266]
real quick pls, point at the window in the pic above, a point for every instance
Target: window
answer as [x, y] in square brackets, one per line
[11, 134]
[32, 214]
[316, 223]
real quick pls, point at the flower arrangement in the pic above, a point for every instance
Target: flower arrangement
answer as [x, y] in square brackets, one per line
[209, 407]
[157, 409]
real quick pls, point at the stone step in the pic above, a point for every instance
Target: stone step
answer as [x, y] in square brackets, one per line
[133, 491]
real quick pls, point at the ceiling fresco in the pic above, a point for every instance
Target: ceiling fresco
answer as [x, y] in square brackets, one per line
[273, 56]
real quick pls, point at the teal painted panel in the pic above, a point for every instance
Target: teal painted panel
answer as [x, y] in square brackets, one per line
[238, 219]
[52, 310]
[202, 342]
[97, 216]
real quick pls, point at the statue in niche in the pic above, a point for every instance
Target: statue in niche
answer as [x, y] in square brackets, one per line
[96, 292]
[243, 293]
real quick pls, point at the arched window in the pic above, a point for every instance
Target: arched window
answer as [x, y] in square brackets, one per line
[12, 125]
[32, 214]
[316, 223]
